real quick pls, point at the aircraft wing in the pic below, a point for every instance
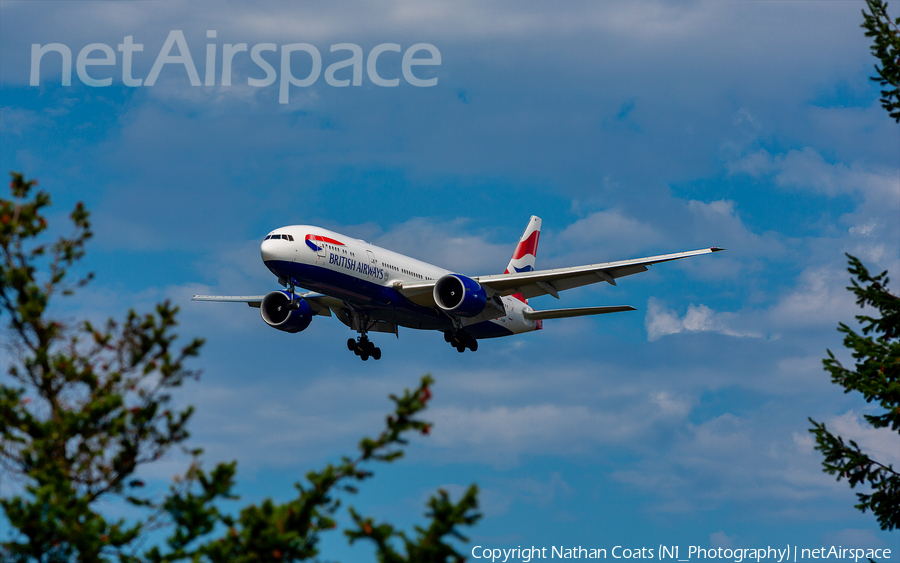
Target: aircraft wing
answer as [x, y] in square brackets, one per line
[320, 303]
[543, 282]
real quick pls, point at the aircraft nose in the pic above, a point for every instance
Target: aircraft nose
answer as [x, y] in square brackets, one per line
[267, 250]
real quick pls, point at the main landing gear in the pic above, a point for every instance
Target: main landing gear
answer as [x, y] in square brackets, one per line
[461, 340]
[364, 348]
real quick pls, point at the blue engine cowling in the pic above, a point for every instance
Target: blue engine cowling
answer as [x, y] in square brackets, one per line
[277, 312]
[459, 295]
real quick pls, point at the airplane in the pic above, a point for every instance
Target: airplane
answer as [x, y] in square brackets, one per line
[373, 289]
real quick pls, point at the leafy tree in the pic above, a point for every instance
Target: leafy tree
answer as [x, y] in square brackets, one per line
[877, 376]
[877, 349]
[82, 407]
[886, 48]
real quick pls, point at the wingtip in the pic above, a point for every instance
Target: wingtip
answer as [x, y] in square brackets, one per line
[716, 249]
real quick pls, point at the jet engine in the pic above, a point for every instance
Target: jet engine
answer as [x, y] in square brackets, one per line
[459, 295]
[278, 313]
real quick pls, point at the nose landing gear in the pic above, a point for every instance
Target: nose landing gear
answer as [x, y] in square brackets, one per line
[461, 340]
[364, 348]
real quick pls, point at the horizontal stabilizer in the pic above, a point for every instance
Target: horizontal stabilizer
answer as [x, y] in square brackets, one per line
[576, 312]
[252, 300]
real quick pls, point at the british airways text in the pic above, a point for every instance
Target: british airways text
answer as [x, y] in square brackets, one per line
[360, 267]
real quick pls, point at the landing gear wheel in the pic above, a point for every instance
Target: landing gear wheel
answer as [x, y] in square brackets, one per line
[364, 348]
[460, 339]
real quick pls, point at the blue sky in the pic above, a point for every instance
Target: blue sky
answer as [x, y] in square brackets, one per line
[631, 128]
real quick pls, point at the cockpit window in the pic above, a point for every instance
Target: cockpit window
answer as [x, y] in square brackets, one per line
[284, 237]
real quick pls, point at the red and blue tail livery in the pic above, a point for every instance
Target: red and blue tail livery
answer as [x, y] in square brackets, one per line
[526, 250]
[372, 289]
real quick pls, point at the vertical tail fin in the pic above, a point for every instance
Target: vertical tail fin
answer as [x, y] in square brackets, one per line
[523, 257]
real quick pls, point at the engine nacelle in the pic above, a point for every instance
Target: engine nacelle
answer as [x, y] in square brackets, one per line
[459, 295]
[277, 312]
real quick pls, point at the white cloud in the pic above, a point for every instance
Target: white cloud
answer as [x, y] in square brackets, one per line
[670, 405]
[744, 116]
[864, 230]
[661, 321]
[707, 465]
[499, 435]
[15, 121]
[449, 245]
[881, 443]
[719, 223]
[215, 101]
[807, 170]
[820, 298]
[721, 539]
[265, 425]
[755, 164]
[606, 230]
[804, 442]
[719, 207]
[856, 538]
